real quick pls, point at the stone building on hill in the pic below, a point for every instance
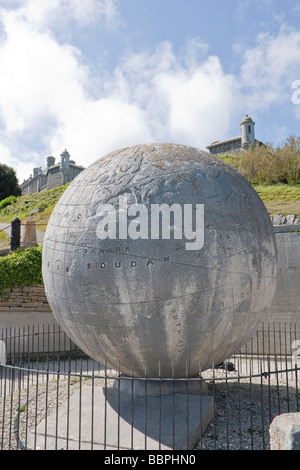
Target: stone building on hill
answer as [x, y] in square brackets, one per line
[238, 144]
[53, 176]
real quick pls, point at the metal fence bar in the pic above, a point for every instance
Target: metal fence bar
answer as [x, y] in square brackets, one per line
[39, 375]
[3, 394]
[239, 406]
[5, 245]
[250, 405]
[36, 408]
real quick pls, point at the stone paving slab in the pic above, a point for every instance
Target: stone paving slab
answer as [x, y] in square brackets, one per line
[111, 422]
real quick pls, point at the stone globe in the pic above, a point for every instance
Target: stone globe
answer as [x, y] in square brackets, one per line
[160, 260]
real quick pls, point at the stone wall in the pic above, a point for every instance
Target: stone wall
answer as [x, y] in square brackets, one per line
[55, 180]
[24, 299]
[280, 219]
[58, 176]
[286, 302]
[34, 185]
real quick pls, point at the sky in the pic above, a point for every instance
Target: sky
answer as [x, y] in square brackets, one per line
[95, 76]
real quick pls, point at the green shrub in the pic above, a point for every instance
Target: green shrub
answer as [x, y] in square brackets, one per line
[266, 165]
[7, 202]
[21, 268]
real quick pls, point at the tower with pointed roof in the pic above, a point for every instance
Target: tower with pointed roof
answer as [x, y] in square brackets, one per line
[248, 132]
[236, 145]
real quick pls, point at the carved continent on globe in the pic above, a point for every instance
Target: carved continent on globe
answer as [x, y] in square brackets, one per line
[149, 303]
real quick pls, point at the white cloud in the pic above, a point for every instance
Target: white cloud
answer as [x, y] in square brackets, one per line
[91, 129]
[37, 76]
[46, 14]
[22, 167]
[44, 97]
[270, 68]
[201, 102]
[245, 6]
[187, 97]
[153, 96]
[156, 95]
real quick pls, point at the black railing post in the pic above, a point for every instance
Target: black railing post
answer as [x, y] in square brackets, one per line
[15, 234]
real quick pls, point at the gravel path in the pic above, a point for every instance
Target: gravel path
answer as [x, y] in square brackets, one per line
[245, 407]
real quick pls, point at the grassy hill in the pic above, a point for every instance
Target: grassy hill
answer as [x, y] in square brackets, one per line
[279, 198]
[274, 174]
[20, 206]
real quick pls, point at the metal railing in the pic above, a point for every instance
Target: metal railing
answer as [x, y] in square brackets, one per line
[13, 232]
[52, 396]
[5, 244]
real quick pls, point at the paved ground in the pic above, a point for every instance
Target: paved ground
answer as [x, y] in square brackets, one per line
[112, 422]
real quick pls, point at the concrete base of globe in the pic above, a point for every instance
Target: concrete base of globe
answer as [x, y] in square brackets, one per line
[112, 420]
[168, 414]
[138, 387]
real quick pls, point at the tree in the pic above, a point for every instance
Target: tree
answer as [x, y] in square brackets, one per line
[9, 185]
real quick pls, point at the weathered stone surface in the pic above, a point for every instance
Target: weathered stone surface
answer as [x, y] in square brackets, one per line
[28, 238]
[24, 299]
[285, 306]
[285, 432]
[280, 219]
[151, 302]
